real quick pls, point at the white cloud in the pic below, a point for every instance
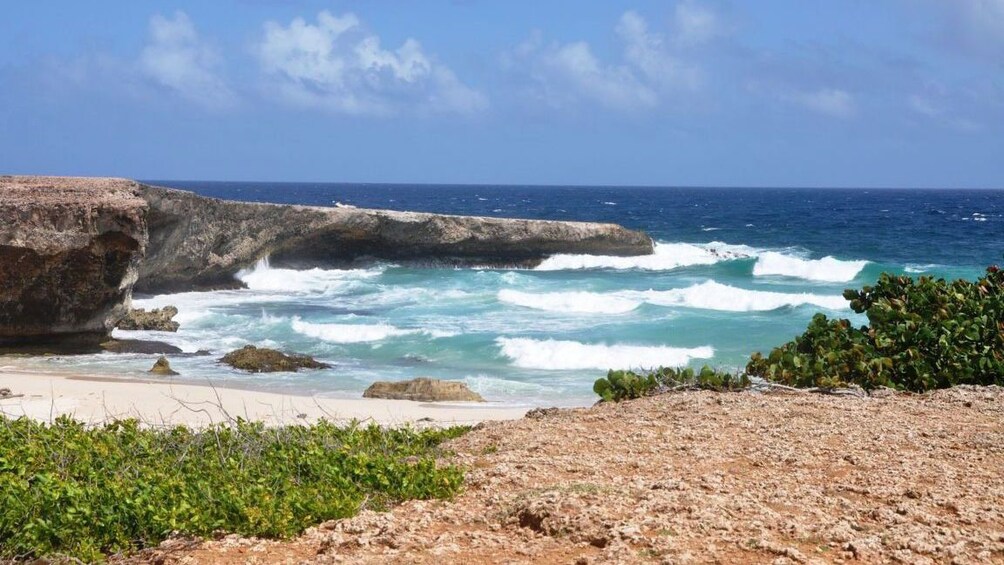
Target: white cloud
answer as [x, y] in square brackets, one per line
[831, 102]
[695, 24]
[567, 74]
[931, 105]
[337, 65]
[175, 57]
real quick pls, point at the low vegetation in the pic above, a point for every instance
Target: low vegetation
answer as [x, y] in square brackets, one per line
[625, 385]
[82, 492]
[922, 334]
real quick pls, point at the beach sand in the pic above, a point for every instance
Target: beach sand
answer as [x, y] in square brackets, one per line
[160, 402]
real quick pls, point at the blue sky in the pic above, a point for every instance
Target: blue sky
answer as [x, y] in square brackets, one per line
[695, 92]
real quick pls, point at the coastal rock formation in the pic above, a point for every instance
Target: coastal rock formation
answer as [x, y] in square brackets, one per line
[159, 319]
[263, 360]
[69, 252]
[423, 390]
[200, 243]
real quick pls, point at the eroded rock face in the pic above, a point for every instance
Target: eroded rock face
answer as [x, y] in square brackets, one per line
[200, 243]
[423, 390]
[69, 252]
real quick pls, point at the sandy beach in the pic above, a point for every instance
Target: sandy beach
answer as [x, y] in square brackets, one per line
[95, 399]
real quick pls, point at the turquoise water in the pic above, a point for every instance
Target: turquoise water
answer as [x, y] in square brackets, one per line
[542, 336]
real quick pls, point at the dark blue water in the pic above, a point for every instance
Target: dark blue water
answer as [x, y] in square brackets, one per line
[962, 228]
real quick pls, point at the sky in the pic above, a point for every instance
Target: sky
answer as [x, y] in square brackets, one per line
[841, 93]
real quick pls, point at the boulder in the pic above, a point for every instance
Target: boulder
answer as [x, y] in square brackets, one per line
[69, 255]
[139, 346]
[263, 360]
[158, 320]
[423, 390]
[163, 368]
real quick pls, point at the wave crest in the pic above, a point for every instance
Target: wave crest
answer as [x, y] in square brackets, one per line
[263, 277]
[576, 302]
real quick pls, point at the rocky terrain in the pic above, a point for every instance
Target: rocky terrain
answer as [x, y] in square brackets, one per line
[69, 254]
[695, 477]
[423, 389]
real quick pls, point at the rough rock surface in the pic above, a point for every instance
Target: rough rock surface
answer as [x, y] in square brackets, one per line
[695, 477]
[158, 319]
[69, 251]
[423, 390]
[262, 360]
[163, 368]
[198, 242]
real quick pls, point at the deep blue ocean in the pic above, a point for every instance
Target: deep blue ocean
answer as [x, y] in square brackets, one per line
[735, 271]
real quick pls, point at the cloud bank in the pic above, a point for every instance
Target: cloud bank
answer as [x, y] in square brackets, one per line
[335, 64]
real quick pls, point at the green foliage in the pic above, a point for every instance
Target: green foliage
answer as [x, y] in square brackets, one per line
[625, 385]
[84, 492]
[922, 334]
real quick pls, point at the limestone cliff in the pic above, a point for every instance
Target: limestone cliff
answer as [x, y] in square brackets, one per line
[198, 242]
[69, 252]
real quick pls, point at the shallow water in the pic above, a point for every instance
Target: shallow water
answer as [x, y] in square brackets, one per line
[735, 270]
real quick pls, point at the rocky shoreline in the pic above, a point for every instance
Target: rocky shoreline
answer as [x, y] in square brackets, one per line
[73, 250]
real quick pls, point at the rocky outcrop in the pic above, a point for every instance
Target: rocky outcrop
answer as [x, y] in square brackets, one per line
[158, 320]
[69, 253]
[263, 360]
[198, 242]
[162, 368]
[423, 390]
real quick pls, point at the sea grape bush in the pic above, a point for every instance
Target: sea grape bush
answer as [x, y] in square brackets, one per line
[921, 334]
[70, 490]
[625, 385]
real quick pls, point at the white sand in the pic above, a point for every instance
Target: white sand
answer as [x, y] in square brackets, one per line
[95, 399]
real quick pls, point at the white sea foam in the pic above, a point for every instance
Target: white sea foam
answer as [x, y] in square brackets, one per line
[262, 277]
[348, 333]
[359, 333]
[572, 355]
[827, 269]
[576, 302]
[666, 256]
[712, 295]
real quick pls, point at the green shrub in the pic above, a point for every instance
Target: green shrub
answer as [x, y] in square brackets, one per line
[625, 385]
[921, 334]
[84, 492]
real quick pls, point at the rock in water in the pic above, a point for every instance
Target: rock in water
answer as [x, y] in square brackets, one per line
[158, 320]
[262, 360]
[69, 254]
[163, 368]
[423, 390]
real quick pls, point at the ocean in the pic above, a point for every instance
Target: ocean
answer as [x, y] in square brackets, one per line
[735, 271]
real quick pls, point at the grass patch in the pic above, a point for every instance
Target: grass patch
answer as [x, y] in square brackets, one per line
[67, 489]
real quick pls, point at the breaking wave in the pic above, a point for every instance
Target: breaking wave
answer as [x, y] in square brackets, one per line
[576, 302]
[827, 269]
[262, 277]
[708, 295]
[666, 256]
[553, 354]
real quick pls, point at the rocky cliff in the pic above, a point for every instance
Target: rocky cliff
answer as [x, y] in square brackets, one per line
[69, 253]
[198, 242]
